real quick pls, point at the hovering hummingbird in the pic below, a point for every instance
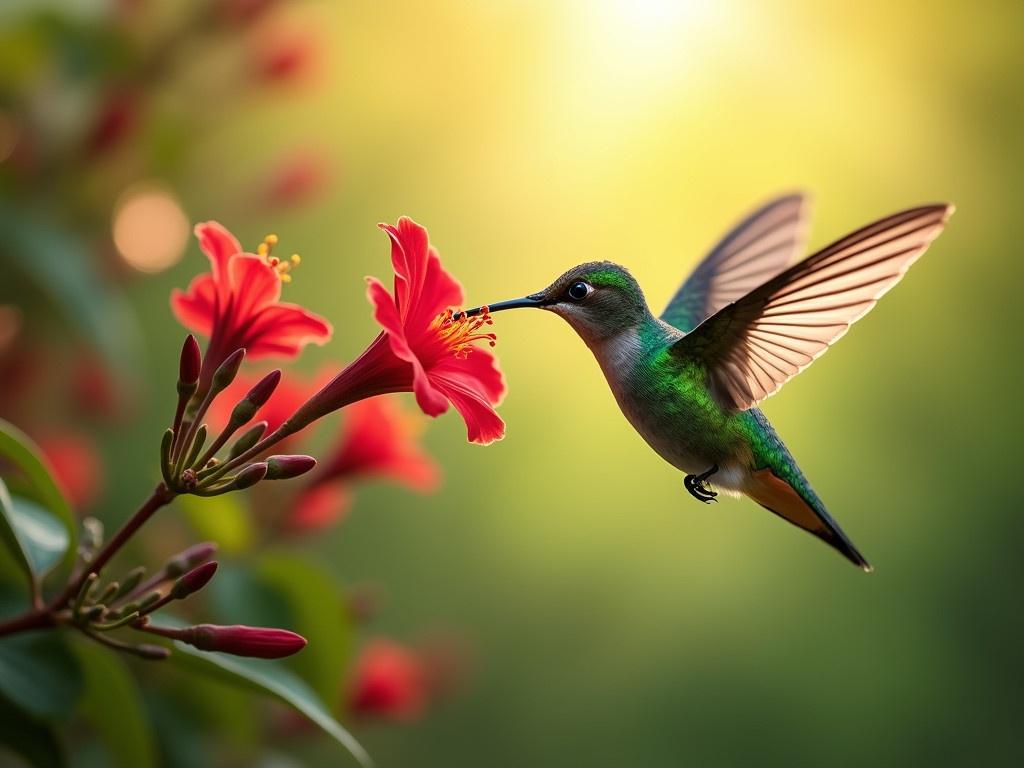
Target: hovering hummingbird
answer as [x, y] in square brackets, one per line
[740, 327]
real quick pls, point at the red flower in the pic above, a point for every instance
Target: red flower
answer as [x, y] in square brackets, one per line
[389, 681]
[76, 467]
[422, 348]
[378, 439]
[237, 304]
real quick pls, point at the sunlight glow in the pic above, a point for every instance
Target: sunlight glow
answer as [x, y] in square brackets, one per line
[150, 229]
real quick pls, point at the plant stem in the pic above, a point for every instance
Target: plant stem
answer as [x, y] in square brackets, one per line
[44, 616]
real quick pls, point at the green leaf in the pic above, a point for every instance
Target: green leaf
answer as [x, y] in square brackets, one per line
[9, 533]
[19, 452]
[27, 737]
[223, 519]
[112, 705]
[317, 612]
[43, 537]
[286, 591]
[40, 674]
[266, 677]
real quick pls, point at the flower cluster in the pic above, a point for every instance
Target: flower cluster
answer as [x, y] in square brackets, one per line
[226, 422]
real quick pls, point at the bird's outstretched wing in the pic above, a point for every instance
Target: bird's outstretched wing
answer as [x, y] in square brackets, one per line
[754, 251]
[754, 346]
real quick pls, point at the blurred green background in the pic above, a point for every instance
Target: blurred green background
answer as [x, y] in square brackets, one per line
[614, 621]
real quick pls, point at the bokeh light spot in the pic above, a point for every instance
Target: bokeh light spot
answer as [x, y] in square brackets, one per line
[150, 228]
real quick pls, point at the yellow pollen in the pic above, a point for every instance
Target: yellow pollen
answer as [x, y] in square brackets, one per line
[282, 267]
[459, 335]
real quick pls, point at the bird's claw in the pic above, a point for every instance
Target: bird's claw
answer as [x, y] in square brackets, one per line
[698, 487]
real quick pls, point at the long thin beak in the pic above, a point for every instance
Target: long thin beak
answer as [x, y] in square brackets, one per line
[534, 300]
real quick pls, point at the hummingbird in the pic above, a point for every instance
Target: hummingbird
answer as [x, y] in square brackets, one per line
[741, 325]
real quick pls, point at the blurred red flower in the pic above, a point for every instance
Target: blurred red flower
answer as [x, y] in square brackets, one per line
[76, 466]
[282, 56]
[297, 179]
[378, 439]
[422, 348]
[237, 304]
[389, 681]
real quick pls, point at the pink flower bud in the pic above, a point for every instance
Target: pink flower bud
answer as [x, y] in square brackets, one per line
[191, 362]
[227, 371]
[194, 580]
[256, 398]
[285, 467]
[260, 642]
[189, 558]
[251, 475]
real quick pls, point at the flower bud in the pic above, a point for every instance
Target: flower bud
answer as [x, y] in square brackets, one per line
[189, 558]
[239, 640]
[151, 652]
[194, 580]
[285, 467]
[227, 371]
[248, 439]
[256, 398]
[131, 581]
[191, 362]
[250, 475]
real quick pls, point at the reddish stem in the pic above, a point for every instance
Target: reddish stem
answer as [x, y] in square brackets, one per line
[44, 617]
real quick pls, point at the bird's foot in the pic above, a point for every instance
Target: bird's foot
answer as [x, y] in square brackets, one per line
[698, 487]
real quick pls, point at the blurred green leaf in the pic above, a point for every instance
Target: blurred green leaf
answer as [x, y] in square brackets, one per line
[112, 705]
[32, 740]
[62, 269]
[43, 537]
[9, 532]
[317, 613]
[288, 591]
[223, 519]
[17, 450]
[266, 677]
[40, 674]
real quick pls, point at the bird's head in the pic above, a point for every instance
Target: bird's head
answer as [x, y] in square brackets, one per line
[598, 299]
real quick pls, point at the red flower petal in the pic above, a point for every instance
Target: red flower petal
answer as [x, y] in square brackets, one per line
[471, 398]
[219, 245]
[379, 438]
[196, 308]
[283, 329]
[254, 285]
[320, 507]
[432, 402]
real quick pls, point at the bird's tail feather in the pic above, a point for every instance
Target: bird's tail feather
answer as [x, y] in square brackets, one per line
[803, 510]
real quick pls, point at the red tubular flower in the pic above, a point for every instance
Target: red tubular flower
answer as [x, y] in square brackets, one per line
[378, 439]
[389, 681]
[422, 348]
[237, 304]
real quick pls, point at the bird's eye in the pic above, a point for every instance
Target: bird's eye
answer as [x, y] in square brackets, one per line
[579, 291]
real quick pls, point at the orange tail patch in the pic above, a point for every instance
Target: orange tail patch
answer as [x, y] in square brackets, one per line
[778, 496]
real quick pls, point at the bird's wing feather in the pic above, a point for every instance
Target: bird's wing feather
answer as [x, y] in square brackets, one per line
[754, 251]
[755, 345]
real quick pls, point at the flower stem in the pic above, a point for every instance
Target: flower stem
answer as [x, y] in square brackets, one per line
[44, 616]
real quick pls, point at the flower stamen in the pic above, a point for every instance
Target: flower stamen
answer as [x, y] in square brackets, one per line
[283, 267]
[458, 335]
